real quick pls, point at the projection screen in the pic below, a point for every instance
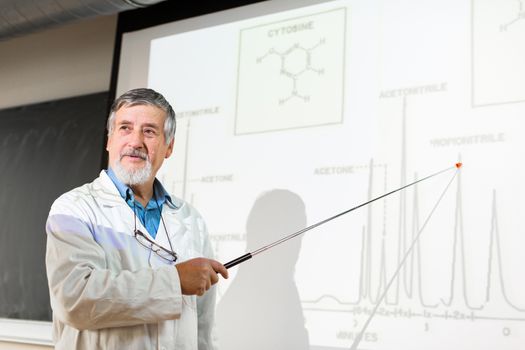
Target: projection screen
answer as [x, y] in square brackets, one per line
[290, 112]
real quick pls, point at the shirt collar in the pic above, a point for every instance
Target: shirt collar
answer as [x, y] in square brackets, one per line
[161, 195]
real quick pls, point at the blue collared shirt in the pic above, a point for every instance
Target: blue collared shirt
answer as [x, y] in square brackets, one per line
[149, 216]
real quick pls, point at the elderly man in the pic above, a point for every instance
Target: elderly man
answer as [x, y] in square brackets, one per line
[128, 265]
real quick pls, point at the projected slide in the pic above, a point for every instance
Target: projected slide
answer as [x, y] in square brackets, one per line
[290, 117]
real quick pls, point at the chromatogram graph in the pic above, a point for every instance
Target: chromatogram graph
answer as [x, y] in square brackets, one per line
[488, 298]
[409, 285]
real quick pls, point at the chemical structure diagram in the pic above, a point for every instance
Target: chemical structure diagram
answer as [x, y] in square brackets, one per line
[519, 16]
[295, 61]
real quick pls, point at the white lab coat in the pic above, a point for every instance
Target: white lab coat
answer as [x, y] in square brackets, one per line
[109, 292]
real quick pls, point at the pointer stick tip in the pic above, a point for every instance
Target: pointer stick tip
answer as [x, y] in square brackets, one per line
[458, 165]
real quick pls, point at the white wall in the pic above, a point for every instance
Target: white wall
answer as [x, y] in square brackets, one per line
[67, 61]
[18, 346]
[62, 62]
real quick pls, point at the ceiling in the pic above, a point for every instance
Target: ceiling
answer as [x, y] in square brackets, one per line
[21, 17]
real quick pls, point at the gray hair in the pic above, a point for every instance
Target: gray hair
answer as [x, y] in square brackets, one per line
[142, 96]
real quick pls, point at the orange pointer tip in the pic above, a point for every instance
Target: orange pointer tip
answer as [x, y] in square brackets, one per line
[458, 165]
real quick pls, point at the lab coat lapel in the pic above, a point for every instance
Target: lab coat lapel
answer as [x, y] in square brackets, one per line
[115, 206]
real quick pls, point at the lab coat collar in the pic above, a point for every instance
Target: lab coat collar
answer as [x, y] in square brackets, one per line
[108, 196]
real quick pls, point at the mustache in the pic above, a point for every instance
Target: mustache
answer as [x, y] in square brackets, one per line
[134, 153]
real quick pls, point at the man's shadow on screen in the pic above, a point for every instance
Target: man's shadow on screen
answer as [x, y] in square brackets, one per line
[261, 309]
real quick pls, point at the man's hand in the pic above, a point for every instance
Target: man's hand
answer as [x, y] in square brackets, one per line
[198, 275]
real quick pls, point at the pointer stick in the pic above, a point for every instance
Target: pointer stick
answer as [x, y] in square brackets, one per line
[248, 256]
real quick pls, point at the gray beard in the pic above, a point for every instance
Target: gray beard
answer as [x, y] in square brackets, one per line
[132, 177]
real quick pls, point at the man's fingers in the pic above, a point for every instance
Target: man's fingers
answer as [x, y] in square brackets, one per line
[214, 278]
[219, 268]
